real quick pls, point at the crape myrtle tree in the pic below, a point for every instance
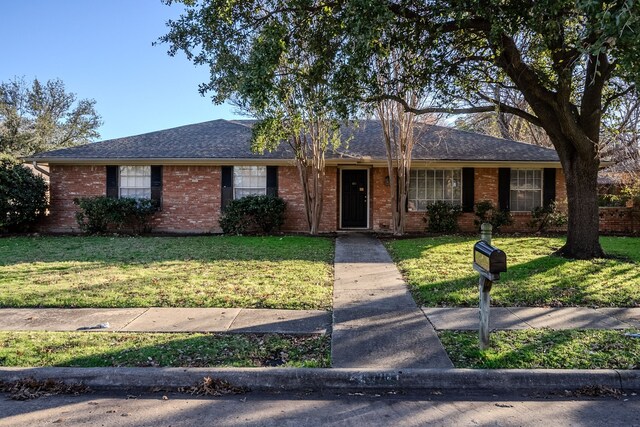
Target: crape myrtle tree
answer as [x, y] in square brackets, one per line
[400, 129]
[570, 59]
[270, 69]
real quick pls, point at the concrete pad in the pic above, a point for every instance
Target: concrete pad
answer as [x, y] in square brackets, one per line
[382, 299]
[360, 249]
[282, 321]
[399, 340]
[184, 320]
[66, 319]
[567, 318]
[467, 319]
[368, 278]
[630, 316]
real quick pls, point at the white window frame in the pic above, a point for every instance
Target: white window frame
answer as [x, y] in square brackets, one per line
[140, 173]
[255, 173]
[525, 187]
[431, 197]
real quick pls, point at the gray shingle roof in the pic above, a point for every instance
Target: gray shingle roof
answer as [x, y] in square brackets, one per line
[225, 139]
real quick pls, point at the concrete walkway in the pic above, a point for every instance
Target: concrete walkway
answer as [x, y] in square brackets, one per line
[166, 320]
[376, 323]
[535, 317]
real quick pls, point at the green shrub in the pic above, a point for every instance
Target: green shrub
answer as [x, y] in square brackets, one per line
[253, 214]
[543, 218]
[612, 200]
[632, 191]
[101, 214]
[442, 217]
[23, 195]
[486, 212]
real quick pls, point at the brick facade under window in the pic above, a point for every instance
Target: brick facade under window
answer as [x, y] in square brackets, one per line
[191, 200]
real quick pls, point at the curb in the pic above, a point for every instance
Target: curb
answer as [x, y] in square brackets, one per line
[333, 379]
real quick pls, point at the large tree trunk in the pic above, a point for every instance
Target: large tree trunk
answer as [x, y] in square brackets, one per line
[582, 196]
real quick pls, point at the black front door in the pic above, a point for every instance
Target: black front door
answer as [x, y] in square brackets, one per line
[354, 198]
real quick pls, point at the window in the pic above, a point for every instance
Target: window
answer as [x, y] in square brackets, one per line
[427, 186]
[135, 181]
[526, 189]
[249, 180]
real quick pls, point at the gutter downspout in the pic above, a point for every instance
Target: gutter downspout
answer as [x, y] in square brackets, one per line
[39, 169]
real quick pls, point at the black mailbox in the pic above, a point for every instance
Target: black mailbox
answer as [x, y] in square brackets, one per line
[489, 259]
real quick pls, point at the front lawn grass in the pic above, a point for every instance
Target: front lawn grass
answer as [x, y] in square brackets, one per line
[544, 349]
[97, 349]
[439, 272]
[289, 272]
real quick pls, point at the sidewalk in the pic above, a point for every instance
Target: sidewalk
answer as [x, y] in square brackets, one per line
[166, 320]
[535, 317]
[376, 323]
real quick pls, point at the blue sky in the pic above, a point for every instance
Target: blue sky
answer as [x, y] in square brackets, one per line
[102, 50]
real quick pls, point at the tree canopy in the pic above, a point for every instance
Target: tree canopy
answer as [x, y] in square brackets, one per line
[43, 117]
[571, 60]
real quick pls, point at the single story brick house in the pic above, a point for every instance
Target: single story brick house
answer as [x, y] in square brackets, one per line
[194, 170]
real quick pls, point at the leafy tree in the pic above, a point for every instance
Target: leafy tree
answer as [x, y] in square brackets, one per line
[23, 195]
[43, 117]
[570, 60]
[272, 72]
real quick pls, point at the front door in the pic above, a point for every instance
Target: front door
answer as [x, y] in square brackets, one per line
[354, 198]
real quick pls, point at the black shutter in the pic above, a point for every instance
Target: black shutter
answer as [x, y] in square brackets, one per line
[112, 182]
[549, 186]
[467, 189]
[504, 188]
[227, 186]
[272, 181]
[156, 185]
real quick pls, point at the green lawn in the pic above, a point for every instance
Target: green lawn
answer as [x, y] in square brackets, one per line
[544, 349]
[258, 272]
[439, 273]
[93, 349]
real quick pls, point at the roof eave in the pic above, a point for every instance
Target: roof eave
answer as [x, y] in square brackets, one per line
[284, 162]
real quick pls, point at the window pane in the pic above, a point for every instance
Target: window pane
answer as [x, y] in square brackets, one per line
[135, 181]
[429, 185]
[249, 180]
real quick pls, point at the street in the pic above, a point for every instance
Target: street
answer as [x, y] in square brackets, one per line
[315, 409]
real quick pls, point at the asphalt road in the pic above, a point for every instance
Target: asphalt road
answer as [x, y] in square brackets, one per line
[315, 409]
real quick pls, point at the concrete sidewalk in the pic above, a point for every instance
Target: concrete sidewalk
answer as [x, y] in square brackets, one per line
[376, 323]
[535, 318]
[166, 320]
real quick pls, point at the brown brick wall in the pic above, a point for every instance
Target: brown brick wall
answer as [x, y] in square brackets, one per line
[620, 220]
[485, 188]
[191, 197]
[561, 186]
[380, 203]
[290, 190]
[486, 185]
[191, 200]
[67, 183]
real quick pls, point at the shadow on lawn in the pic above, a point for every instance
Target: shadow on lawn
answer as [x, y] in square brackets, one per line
[546, 281]
[196, 350]
[543, 349]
